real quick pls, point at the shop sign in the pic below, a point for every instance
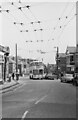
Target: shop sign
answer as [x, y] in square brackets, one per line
[4, 49]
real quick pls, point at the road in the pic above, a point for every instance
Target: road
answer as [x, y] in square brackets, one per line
[40, 99]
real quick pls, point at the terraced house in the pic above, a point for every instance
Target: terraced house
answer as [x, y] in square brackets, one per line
[70, 59]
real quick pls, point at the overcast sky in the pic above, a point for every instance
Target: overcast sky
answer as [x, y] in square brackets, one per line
[61, 33]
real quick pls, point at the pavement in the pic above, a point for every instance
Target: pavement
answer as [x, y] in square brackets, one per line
[7, 86]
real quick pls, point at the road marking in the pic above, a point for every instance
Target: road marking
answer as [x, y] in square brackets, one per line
[24, 115]
[40, 99]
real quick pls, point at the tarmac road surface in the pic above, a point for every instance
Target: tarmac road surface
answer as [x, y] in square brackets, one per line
[40, 99]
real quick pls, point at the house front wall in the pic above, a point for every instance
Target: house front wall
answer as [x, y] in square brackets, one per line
[70, 63]
[62, 64]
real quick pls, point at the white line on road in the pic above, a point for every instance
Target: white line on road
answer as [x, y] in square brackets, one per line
[24, 115]
[40, 99]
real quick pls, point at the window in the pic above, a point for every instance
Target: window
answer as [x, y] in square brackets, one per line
[30, 71]
[40, 71]
[35, 72]
[24, 66]
[71, 58]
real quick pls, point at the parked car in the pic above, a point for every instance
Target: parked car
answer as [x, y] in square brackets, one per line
[75, 80]
[67, 78]
[1, 81]
[50, 76]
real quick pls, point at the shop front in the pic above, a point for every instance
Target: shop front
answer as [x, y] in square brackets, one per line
[1, 68]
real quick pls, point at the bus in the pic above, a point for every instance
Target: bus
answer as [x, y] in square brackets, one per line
[37, 70]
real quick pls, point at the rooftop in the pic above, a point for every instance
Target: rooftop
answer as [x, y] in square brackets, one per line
[62, 55]
[71, 49]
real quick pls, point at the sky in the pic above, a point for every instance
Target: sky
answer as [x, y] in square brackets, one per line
[55, 32]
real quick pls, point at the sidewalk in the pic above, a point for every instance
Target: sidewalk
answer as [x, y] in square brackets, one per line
[7, 85]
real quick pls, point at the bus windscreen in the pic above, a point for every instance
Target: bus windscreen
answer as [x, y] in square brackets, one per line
[35, 72]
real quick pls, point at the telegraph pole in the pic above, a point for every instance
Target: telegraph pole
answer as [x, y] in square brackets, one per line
[5, 61]
[76, 54]
[16, 63]
[57, 61]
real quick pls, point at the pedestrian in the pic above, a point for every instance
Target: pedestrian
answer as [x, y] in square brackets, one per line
[13, 76]
[62, 74]
[9, 80]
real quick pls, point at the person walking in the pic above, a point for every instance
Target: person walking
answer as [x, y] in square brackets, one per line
[13, 76]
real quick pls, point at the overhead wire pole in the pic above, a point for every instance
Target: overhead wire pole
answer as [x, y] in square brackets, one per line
[57, 55]
[57, 61]
[16, 62]
[57, 58]
[58, 50]
[76, 54]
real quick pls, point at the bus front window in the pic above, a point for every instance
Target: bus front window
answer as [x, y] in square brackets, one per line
[35, 72]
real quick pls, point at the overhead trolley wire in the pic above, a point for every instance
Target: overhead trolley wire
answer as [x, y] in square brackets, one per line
[38, 22]
[27, 18]
[66, 26]
[11, 15]
[69, 20]
[58, 21]
[15, 23]
[20, 8]
[67, 16]
[28, 7]
[30, 21]
[60, 18]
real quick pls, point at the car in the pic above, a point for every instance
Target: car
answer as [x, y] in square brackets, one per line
[75, 80]
[1, 81]
[67, 78]
[50, 76]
